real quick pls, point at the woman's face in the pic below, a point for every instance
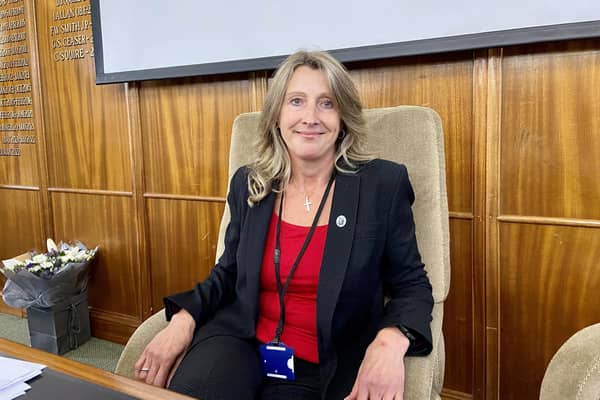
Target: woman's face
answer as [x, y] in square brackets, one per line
[309, 119]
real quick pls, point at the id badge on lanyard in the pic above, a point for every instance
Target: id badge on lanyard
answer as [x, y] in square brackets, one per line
[277, 361]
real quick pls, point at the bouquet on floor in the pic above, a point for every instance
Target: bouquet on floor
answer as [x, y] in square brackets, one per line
[45, 279]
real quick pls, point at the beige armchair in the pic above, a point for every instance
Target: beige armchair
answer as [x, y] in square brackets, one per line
[574, 371]
[409, 135]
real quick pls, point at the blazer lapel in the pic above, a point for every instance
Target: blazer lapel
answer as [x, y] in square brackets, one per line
[257, 226]
[338, 245]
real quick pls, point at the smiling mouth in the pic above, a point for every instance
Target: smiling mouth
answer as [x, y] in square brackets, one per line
[310, 133]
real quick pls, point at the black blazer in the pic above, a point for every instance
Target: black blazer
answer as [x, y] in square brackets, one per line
[372, 256]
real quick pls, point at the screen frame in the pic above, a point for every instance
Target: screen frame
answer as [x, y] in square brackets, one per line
[547, 33]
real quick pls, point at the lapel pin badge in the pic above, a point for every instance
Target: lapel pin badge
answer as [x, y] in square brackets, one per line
[340, 221]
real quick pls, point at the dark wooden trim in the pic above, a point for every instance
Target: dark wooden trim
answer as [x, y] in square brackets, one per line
[136, 153]
[19, 187]
[492, 190]
[112, 326]
[461, 215]
[91, 191]
[480, 88]
[528, 219]
[167, 196]
[46, 219]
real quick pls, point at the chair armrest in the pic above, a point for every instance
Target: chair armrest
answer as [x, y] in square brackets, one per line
[138, 341]
[574, 371]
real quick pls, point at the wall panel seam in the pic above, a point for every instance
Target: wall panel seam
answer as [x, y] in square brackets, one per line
[168, 196]
[91, 191]
[552, 221]
[45, 208]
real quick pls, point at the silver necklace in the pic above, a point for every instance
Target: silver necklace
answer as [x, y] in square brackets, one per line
[307, 203]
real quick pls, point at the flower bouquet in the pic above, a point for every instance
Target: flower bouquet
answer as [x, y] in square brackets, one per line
[45, 279]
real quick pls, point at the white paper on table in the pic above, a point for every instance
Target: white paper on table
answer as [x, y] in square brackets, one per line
[14, 371]
[14, 391]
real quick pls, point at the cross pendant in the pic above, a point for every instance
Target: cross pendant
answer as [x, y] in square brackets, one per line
[307, 203]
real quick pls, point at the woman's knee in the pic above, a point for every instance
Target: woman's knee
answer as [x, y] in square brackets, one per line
[219, 368]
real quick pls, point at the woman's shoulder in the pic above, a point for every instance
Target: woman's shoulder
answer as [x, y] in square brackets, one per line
[239, 179]
[381, 167]
[386, 176]
[241, 174]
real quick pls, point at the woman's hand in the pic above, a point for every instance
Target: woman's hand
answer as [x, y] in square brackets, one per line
[167, 347]
[381, 373]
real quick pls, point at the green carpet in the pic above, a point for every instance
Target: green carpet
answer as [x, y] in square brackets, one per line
[95, 352]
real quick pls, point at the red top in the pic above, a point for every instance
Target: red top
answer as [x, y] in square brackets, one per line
[300, 329]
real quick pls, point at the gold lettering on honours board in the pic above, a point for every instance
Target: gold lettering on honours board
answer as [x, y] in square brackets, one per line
[16, 114]
[13, 42]
[10, 25]
[13, 37]
[12, 89]
[19, 62]
[67, 13]
[12, 51]
[27, 139]
[71, 54]
[7, 2]
[12, 12]
[72, 47]
[11, 151]
[15, 76]
[16, 101]
[60, 3]
[70, 27]
[9, 127]
[70, 41]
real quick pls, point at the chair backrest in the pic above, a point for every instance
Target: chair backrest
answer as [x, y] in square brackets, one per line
[574, 371]
[408, 135]
[412, 136]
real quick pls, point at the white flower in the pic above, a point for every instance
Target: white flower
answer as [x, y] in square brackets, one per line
[46, 265]
[39, 258]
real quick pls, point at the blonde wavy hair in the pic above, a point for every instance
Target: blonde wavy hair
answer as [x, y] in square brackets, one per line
[273, 162]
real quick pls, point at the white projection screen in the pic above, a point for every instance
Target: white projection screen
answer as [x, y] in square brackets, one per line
[155, 39]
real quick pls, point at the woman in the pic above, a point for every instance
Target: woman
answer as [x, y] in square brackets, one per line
[319, 234]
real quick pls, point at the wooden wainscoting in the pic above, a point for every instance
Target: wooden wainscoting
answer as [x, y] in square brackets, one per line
[548, 206]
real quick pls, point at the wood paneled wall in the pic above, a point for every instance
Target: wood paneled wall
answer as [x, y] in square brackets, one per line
[548, 205]
[140, 169]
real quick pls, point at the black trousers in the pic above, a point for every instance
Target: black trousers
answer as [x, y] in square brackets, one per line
[228, 368]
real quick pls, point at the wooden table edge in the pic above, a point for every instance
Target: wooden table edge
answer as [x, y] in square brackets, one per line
[88, 373]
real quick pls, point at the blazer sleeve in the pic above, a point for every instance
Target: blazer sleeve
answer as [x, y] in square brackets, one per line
[404, 277]
[219, 288]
